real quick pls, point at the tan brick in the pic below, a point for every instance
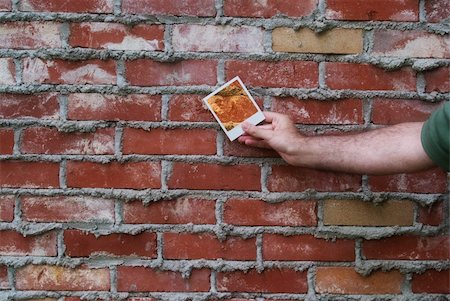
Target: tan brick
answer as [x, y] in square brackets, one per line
[359, 213]
[337, 41]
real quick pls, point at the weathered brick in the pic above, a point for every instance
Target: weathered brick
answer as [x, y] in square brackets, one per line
[57, 278]
[117, 36]
[272, 280]
[207, 246]
[380, 10]
[132, 107]
[307, 247]
[431, 282]
[345, 280]
[15, 244]
[188, 108]
[5, 5]
[410, 44]
[201, 38]
[368, 77]
[360, 213]
[4, 282]
[393, 111]
[136, 175]
[347, 111]
[289, 74]
[174, 141]
[250, 212]
[269, 8]
[305, 40]
[69, 72]
[430, 181]
[142, 279]
[81, 244]
[6, 141]
[69, 6]
[437, 80]
[7, 71]
[408, 247]
[67, 209]
[432, 215]
[40, 140]
[201, 8]
[178, 211]
[7, 208]
[290, 178]
[29, 174]
[214, 176]
[37, 105]
[236, 149]
[436, 10]
[144, 72]
[30, 35]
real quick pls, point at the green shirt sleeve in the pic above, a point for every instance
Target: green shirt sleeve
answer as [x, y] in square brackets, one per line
[435, 136]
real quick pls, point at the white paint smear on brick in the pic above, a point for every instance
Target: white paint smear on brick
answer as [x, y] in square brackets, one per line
[88, 73]
[6, 77]
[35, 70]
[426, 46]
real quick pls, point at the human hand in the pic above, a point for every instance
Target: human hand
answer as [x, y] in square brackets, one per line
[279, 134]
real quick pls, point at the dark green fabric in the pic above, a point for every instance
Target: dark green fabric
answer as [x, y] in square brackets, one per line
[435, 136]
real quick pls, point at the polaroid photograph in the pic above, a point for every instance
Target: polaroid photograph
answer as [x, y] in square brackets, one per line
[232, 104]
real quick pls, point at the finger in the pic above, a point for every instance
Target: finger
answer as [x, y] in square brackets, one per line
[270, 116]
[257, 132]
[256, 143]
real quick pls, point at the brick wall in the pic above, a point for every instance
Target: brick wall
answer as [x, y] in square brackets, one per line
[116, 184]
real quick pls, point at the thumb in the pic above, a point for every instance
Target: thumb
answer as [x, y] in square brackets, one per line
[256, 132]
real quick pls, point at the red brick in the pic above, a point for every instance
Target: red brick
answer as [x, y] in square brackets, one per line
[39, 105]
[133, 107]
[81, 244]
[144, 72]
[7, 71]
[432, 215]
[170, 7]
[174, 141]
[57, 278]
[290, 178]
[368, 77]
[394, 111]
[30, 35]
[237, 149]
[270, 8]
[248, 212]
[69, 72]
[6, 141]
[289, 74]
[178, 211]
[431, 282]
[436, 10]
[348, 111]
[269, 281]
[136, 175]
[39, 140]
[69, 6]
[207, 246]
[437, 80]
[14, 243]
[6, 208]
[307, 247]
[67, 209]
[188, 108]
[410, 44]
[4, 282]
[345, 280]
[5, 5]
[29, 174]
[408, 247]
[142, 279]
[117, 36]
[210, 38]
[430, 181]
[213, 176]
[361, 10]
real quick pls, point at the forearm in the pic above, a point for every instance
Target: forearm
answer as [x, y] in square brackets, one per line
[388, 150]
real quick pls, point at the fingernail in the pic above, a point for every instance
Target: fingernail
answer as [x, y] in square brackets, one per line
[245, 126]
